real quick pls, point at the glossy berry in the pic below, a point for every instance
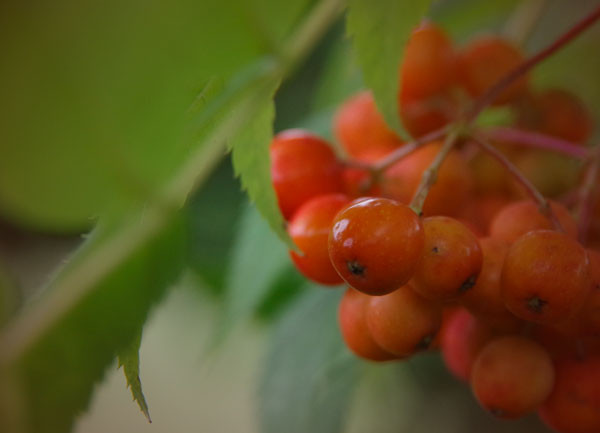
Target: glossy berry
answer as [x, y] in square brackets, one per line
[559, 113]
[309, 229]
[451, 190]
[574, 404]
[429, 62]
[486, 60]
[361, 129]
[545, 277]
[375, 244]
[461, 339]
[353, 325]
[451, 260]
[358, 182]
[512, 376]
[521, 217]
[303, 166]
[403, 322]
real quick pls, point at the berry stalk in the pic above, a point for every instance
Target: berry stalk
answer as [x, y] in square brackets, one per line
[430, 175]
[537, 196]
[537, 140]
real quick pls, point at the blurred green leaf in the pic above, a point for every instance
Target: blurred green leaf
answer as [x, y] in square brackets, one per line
[10, 296]
[129, 359]
[94, 96]
[283, 291]
[380, 30]
[308, 375]
[252, 163]
[258, 260]
[57, 353]
[212, 215]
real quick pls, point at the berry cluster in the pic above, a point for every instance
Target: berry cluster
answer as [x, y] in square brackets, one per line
[448, 254]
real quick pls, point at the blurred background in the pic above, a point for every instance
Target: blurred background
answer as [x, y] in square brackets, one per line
[91, 123]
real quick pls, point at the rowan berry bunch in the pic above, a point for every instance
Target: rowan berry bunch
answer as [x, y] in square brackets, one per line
[448, 242]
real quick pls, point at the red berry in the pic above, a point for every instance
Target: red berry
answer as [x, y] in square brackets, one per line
[361, 129]
[451, 260]
[524, 216]
[485, 61]
[429, 62]
[309, 229]
[512, 376]
[303, 166]
[375, 244]
[353, 325]
[402, 322]
[462, 338]
[574, 404]
[545, 277]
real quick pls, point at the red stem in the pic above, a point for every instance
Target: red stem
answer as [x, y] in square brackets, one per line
[488, 97]
[585, 202]
[536, 140]
[537, 196]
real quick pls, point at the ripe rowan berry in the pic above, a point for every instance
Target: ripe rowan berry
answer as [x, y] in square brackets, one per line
[421, 116]
[461, 339]
[545, 277]
[512, 376]
[361, 129]
[402, 322]
[302, 166]
[523, 216]
[353, 325]
[574, 404]
[451, 260]
[309, 229]
[486, 60]
[375, 244]
[556, 112]
[429, 62]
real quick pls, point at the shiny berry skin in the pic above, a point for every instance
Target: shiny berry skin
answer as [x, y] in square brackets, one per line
[521, 217]
[309, 229]
[574, 404]
[451, 260]
[461, 339]
[303, 166]
[402, 322]
[512, 376]
[486, 60]
[375, 244]
[545, 277]
[429, 62]
[361, 129]
[353, 325]
[451, 190]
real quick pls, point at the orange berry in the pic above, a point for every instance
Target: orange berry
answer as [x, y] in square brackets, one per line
[403, 322]
[512, 376]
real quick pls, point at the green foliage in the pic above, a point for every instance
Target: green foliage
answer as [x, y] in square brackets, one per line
[308, 375]
[380, 30]
[61, 348]
[129, 359]
[252, 163]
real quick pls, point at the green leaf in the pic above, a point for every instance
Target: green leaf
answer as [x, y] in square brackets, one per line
[10, 296]
[258, 260]
[252, 163]
[308, 375]
[380, 30]
[63, 344]
[129, 359]
[212, 215]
